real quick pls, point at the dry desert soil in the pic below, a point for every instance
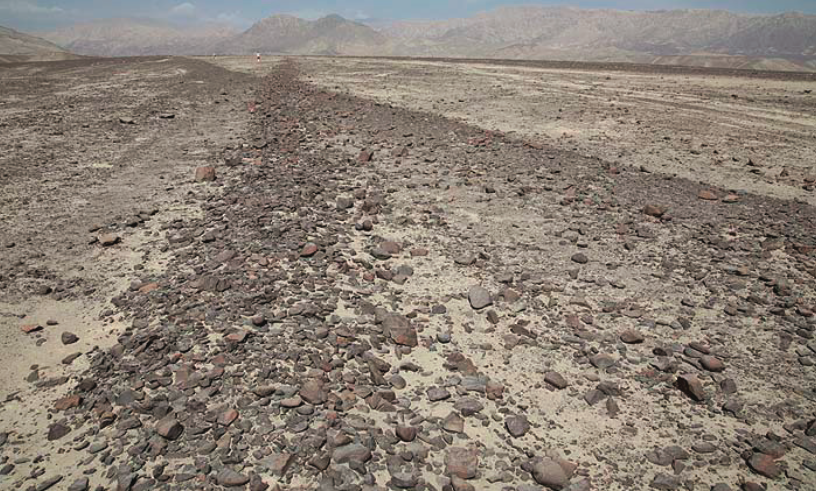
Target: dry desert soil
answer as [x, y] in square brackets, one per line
[376, 274]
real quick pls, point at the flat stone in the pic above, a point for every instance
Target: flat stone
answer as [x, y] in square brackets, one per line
[204, 174]
[229, 478]
[517, 426]
[764, 465]
[550, 474]
[57, 431]
[479, 298]
[556, 380]
[461, 462]
[312, 392]
[81, 484]
[353, 453]
[437, 394]
[406, 433]
[108, 240]
[630, 336]
[602, 361]
[169, 428]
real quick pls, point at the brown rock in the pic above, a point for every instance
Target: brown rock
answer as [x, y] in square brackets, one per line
[203, 174]
[169, 428]
[764, 465]
[68, 402]
[149, 288]
[461, 462]
[108, 240]
[365, 156]
[352, 453]
[707, 196]
[630, 336]
[556, 380]
[401, 330]
[57, 431]
[312, 392]
[227, 417]
[406, 433]
[309, 250]
[712, 364]
[654, 210]
[691, 386]
[229, 478]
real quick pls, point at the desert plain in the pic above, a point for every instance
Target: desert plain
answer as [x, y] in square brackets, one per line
[373, 273]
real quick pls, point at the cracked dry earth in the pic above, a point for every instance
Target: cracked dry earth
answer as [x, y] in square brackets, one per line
[376, 298]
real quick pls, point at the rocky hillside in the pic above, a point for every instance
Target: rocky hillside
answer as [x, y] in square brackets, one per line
[16, 46]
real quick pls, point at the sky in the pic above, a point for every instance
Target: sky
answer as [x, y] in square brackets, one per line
[36, 15]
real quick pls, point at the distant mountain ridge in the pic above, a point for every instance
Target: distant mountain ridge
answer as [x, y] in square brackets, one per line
[134, 37]
[697, 37]
[331, 35]
[533, 29]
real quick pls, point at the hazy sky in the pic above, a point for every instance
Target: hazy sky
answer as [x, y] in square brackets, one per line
[44, 14]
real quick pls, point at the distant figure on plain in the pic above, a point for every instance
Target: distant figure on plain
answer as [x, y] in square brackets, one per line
[258, 55]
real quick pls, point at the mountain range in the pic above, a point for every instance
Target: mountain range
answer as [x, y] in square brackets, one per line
[693, 37]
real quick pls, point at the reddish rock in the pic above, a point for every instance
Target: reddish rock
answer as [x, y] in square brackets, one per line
[691, 386]
[68, 403]
[29, 328]
[712, 364]
[365, 156]
[707, 196]
[764, 465]
[494, 390]
[406, 433]
[461, 462]
[150, 287]
[401, 330]
[731, 198]
[391, 247]
[309, 250]
[169, 428]
[237, 337]
[654, 210]
[203, 174]
[227, 417]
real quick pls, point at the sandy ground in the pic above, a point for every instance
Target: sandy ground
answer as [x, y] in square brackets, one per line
[743, 133]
